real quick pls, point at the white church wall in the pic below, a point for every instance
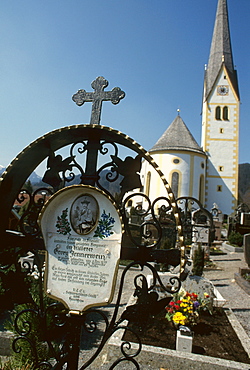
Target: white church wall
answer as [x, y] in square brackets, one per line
[198, 171]
[190, 168]
[222, 198]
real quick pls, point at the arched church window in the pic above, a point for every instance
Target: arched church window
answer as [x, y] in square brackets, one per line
[225, 113]
[218, 113]
[201, 189]
[175, 183]
[148, 180]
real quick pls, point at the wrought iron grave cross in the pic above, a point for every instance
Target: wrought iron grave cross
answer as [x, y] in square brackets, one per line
[97, 97]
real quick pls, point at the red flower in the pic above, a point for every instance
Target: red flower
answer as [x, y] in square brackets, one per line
[194, 296]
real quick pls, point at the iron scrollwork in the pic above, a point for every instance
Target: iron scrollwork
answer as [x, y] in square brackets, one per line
[147, 230]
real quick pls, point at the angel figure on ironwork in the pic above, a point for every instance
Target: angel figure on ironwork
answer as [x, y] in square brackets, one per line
[129, 168]
[56, 165]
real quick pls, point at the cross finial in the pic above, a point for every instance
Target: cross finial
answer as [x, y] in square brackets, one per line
[97, 97]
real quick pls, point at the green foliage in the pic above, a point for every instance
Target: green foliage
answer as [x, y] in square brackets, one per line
[247, 277]
[12, 364]
[28, 319]
[198, 261]
[30, 323]
[235, 238]
[37, 329]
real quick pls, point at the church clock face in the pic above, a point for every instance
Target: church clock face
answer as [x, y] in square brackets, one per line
[222, 90]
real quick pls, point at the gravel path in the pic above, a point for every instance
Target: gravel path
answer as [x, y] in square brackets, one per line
[223, 279]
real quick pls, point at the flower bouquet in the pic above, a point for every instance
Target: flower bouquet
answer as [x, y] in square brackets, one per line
[186, 307]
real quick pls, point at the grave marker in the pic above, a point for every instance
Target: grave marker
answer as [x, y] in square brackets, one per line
[82, 233]
[97, 97]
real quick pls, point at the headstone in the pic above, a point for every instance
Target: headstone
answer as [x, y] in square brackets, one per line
[200, 234]
[218, 229]
[199, 285]
[82, 233]
[245, 219]
[200, 229]
[246, 246]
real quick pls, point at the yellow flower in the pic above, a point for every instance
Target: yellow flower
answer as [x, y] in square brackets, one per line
[179, 318]
[183, 305]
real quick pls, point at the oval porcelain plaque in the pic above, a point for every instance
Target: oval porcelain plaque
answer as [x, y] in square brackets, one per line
[82, 233]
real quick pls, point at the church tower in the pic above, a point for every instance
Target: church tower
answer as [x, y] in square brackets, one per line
[220, 118]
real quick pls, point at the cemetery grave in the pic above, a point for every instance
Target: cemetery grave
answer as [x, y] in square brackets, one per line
[64, 250]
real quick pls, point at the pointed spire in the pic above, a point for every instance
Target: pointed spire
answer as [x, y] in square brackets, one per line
[221, 51]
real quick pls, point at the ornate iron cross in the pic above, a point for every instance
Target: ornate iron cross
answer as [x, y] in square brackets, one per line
[97, 97]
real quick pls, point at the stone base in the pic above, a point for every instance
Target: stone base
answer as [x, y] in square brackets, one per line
[6, 338]
[243, 283]
[230, 248]
[184, 342]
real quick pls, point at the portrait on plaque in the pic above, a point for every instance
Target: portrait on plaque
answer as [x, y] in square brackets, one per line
[84, 214]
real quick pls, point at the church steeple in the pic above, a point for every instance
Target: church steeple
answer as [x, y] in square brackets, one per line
[221, 51]
[220, 118]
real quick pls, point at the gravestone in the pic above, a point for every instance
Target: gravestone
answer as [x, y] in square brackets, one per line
[200, 230]
[246, 246]
[245, 219]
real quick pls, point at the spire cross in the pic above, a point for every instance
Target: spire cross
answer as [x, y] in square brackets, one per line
[97, 97]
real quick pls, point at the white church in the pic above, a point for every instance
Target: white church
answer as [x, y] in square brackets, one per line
[207, 172]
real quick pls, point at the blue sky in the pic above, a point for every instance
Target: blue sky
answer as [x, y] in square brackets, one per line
[154, 50]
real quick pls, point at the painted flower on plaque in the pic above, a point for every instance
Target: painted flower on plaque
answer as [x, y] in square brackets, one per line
[105, 225]
[62, 223]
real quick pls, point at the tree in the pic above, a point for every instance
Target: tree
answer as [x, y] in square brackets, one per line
[28, 186]
[198, 261]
